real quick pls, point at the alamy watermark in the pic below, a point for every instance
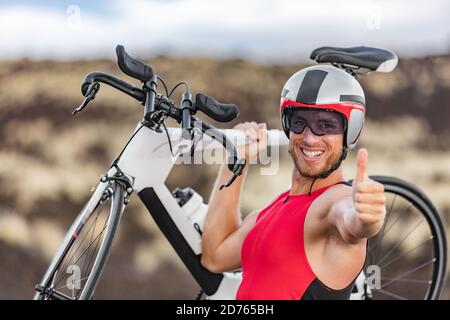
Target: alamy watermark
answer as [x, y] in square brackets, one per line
[373, 277]
[208, 148]
[73, 282]
[373, 21]
[73, 17]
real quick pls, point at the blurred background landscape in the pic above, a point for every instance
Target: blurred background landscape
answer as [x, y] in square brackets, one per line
[49, 159]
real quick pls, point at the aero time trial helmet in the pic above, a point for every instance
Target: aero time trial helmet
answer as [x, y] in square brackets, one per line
[329, 88]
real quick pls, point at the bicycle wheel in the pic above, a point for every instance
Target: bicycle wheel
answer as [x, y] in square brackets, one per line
[409, 254]
[76, 268]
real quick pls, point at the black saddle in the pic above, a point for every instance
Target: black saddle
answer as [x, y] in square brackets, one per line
[374, 59]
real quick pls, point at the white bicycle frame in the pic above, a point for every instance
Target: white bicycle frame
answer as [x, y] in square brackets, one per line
[147, 161]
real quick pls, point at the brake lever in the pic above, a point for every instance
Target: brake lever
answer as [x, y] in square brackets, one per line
[196, 137]
[90, 95]
[237, 171]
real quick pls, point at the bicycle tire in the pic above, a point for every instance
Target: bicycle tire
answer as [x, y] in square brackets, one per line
[46, 290]
[423, 204]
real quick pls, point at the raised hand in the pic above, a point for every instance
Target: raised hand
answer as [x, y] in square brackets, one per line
[368, 195]
[256, 139]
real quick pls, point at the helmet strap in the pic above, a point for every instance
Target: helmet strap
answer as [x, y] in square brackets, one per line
[329, 171]
[336, 165]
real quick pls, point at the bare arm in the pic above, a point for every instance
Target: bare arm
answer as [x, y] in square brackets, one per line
[222, 220]
[223, 231]
[361, 214]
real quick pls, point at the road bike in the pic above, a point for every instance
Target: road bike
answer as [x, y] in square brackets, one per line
[406, 260]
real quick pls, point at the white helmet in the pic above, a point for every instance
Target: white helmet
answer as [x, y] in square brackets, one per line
[330, 88]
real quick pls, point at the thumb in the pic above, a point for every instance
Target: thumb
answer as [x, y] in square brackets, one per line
[362, 159]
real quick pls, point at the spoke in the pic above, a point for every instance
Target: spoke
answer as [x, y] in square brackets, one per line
[92, 235]
[408, 280]
[408, 273]
[391, 294]
[88, 270]
[390, 227]
[73, 282]
[83, 253]
[400, 242]
[91, 244]
[91, 227]
[66, 262]
[59, 280]
[384, 227]
[398, 217]
[404, 254]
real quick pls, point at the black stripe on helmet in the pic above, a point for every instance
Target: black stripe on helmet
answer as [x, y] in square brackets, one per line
[352, 98]
[310, 86]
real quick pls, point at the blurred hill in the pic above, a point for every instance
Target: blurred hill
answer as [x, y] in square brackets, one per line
[50, 159]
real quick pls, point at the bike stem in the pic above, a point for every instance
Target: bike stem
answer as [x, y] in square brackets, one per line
[150, 94]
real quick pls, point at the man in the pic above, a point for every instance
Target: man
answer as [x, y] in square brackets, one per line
[310, 242]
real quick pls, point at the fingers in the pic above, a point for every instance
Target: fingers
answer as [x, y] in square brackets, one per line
[368, 186]
[372, 218]
[365, 208]
[253, 130]
[373, 198]
[370, 212]
[369, 201]
[255, 139]
[362, 160]
[262, 133]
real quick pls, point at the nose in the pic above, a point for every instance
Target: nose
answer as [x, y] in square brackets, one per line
[309, 137]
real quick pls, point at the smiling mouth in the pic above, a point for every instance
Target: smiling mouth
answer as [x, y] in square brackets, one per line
[311, 154]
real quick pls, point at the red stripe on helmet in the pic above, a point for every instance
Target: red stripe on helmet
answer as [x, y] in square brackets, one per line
[342, 107]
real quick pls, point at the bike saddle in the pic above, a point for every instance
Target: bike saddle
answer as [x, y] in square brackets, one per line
[374, 59]
[133, 67]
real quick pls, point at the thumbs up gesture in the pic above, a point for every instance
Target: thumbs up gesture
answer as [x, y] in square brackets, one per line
[368, 197]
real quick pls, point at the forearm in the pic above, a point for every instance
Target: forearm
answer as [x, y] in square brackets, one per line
[223, 216]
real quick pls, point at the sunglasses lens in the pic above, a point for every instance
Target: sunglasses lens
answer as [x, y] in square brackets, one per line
[298, 125]
[320, 122]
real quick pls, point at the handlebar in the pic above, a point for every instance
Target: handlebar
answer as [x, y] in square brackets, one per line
[162, 103]
[114, 82]
[222, 138]
[157, 106]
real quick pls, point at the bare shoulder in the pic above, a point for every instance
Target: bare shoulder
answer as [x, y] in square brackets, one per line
[333, 194]
[317, 217]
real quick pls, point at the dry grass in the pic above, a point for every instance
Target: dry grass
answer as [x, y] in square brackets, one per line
[50, 161]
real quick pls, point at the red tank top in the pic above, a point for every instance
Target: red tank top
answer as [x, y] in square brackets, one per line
[274, 263]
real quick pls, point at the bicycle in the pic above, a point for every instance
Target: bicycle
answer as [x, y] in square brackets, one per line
[76, 268]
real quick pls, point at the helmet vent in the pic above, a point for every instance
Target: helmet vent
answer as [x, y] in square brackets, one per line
[352, 98]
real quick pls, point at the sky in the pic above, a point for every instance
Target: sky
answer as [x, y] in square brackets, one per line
[264, 31]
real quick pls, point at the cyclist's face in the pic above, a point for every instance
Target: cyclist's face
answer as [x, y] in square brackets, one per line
[313, 153]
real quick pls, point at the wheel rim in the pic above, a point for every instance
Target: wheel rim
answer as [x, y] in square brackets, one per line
[408, 251]
[74, 269]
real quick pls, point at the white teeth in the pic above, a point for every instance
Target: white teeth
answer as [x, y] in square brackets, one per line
[311, 154]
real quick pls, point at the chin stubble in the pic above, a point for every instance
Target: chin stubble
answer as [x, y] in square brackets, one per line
[332, 159]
